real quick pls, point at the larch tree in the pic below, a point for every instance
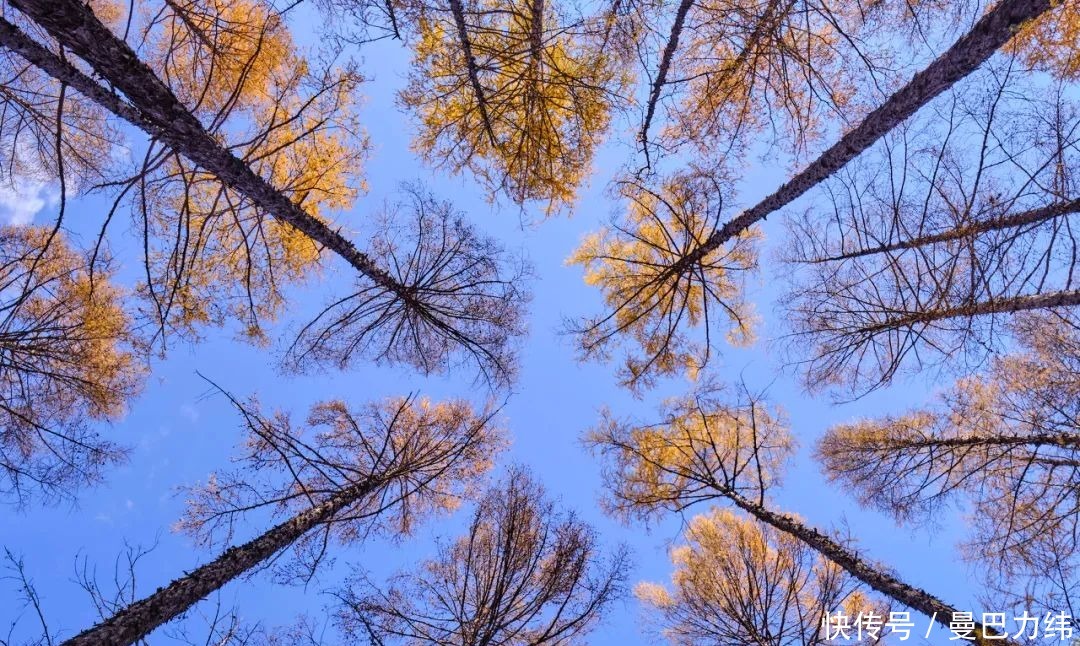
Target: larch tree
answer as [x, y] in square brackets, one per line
[726, 70]
[932, 241]
[218, 623]
[524, 573]
[66, 361]
[518, 93]
[996, 28]
[706, 449]
[738, 581]
[259, 189]
[663, 222]
[380, 468]
[460, 273]
[1007, 443]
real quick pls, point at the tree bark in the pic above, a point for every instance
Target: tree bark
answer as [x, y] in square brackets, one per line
[992, 31]
[858, 567]
[140, 618]
[458, 11]
[1059, 440]
[662, 71]
[995, 306]
[161, 115]
[1023, 218]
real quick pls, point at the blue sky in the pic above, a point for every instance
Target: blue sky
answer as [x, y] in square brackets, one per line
[179, 431]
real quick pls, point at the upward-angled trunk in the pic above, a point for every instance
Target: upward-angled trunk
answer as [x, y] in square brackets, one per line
[156, 110]
[981, 308]
[1058, 440]
[471, 68]
[858, 567]
[991, 32]
[662, 71]
[1015, 220]
[140, 618]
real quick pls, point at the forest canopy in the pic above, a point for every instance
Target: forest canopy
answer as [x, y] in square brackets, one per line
[539, 322]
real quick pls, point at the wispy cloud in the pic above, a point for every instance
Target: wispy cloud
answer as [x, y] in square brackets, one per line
[21, 199]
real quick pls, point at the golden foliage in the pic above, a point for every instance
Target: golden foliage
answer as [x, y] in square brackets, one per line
[703, 442]
[746, 63]
[739, 581]
[399, 460]
[64, 360]
[218, 53]
[1048, 43]
[214, 255]
[653, 294]
[526, 111]
[1006, 442]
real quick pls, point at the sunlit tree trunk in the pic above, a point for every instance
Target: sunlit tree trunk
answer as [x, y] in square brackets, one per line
[140, 618]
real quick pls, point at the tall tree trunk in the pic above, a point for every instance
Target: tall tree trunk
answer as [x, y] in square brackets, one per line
[1058, 440]
[458, 11]
[1016, 220]
[140, 618]
[161, 115]
[981, 308]
[662, 71]
[990, 33]
[858, 567]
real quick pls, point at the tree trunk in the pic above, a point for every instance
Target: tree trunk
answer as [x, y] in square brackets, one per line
[1059, 440]
[140, 618]
[1023, 218]
[662, 71]
[995, 306]
[858, 567]
[458, 10]
[161, 115]
[995, 29]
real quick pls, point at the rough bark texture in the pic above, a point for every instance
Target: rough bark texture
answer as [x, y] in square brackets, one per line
[991, 32]
[140, 618]
[662, 71]
[1060, 440]
[161, 115]
[29, 49]
[858, 567]
[1023, 218]
[471, 67]
[981, 308]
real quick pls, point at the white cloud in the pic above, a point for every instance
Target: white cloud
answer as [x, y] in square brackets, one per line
[21, 199]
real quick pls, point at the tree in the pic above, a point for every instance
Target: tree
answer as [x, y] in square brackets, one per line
[462, 275]
[705, 449]
[628, 261]
[524, 573]
[380, 468]
[932, 240]
[37, 114]
[221, 625]
[65, 360]
[991, 32]
[152, 106]
[1007, 442]
[519, 93]
[732, 68]
[737, 581]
